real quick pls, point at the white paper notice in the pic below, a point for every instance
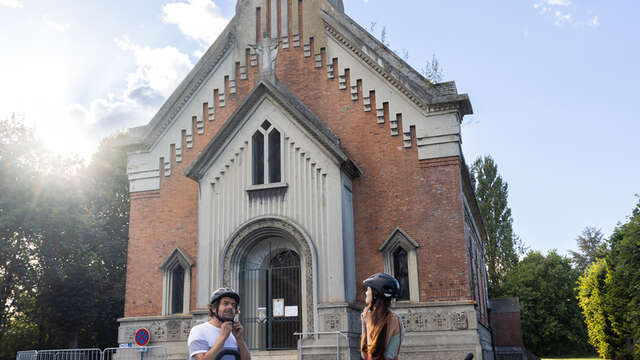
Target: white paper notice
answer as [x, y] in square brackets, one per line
[291, 311]
[278, 307]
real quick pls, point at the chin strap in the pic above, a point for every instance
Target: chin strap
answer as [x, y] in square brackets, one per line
[221, 319]
[373, 302]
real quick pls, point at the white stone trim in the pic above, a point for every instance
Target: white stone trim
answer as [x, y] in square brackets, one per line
[399, 238]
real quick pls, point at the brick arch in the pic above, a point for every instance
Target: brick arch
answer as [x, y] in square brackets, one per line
[239, 244]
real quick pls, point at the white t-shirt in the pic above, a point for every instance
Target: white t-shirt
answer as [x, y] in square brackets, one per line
[203, 336]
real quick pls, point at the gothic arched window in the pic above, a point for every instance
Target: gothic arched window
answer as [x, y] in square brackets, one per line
[266, 156]
[176, 287]
[401, 271]
[401, 261]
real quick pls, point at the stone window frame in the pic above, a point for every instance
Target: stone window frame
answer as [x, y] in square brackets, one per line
[177, 257]
[265, 154]
[399, 238]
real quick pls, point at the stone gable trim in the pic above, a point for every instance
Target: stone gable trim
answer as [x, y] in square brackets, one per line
[293, 106]
[445, 97]
[375, 66]
[178, 255]
[398, 236]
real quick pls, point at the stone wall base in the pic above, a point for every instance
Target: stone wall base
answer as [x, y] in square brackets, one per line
[434, 331]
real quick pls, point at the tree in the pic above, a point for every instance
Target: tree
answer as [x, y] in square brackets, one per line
[590, 245]
[63, 241]
[623, 287]
[591, 297]
[492, 193]
[18, 176]
[610, 293]
[83, 256]
[551, 320]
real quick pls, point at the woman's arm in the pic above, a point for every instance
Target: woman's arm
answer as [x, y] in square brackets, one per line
[396, 332]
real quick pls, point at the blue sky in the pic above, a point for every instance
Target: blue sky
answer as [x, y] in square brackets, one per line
[553, 84]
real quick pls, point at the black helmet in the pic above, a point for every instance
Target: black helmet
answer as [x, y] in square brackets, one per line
[224, 292]
[386, 285]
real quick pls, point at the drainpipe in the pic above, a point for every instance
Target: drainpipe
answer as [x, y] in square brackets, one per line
[493, 344]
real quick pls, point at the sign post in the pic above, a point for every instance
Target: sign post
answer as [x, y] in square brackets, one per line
[142, 338]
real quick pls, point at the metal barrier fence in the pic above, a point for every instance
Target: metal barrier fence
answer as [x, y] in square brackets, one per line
[26, 355]
[131, 353]
[69, 354]
[136, 353]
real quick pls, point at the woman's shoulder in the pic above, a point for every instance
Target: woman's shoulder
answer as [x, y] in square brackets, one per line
[394, 320]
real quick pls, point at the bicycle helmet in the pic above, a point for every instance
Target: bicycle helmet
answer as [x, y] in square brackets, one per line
[224, 292]
[385, 284]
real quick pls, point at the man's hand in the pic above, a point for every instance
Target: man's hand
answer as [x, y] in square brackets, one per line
[225, 329]
[237, 330]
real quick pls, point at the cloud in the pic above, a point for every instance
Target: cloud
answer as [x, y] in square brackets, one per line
[561, 11]
[562, 18]
[201, 20]
[15, 4]
[54, 25]
[160, 69]
[158, 72]
[147, 96]
[558, 2]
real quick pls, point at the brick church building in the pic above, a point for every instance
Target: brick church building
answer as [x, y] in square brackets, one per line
[299, 156]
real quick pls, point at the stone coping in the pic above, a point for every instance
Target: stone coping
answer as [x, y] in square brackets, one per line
[157, 317]
[355, 306]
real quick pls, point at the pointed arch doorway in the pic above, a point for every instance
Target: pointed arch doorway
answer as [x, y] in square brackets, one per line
[270, 286]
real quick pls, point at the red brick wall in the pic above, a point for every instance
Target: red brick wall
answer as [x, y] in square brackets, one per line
[396, 190]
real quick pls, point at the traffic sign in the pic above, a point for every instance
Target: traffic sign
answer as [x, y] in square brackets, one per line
[142, 337]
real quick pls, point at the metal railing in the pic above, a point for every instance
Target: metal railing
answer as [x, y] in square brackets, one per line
[125, 353]
[69, 354]
[135, 353]
[26, 355]
[337, 333]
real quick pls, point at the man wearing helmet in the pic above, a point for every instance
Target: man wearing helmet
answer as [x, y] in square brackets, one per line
[221, 331]
[382, 330]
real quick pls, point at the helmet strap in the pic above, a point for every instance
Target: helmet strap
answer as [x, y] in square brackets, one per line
[215, 314]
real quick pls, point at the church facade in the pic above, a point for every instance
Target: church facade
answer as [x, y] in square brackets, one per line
[299, 156]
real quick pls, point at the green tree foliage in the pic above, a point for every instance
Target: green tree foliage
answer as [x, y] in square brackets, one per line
[591, 298]
[64, 232]
[551, 320]
[492, 192]
[623, 287]
[590, 246]
[610, 294]
[18, 209]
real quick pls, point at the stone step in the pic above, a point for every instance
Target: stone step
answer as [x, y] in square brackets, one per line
[274, 354]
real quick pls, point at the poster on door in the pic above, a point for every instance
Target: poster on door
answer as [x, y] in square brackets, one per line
[278, 307]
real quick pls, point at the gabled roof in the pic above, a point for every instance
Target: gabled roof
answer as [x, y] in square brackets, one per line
[391, 66]
[293, 106]
[382, 59]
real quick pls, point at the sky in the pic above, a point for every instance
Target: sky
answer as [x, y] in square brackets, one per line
[553, 85]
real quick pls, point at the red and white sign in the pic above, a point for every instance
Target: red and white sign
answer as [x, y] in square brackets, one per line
[142, 337]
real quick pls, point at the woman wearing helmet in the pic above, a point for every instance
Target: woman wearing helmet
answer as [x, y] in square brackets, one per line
[382, 330]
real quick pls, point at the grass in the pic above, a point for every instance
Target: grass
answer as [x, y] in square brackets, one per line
[573, 358]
